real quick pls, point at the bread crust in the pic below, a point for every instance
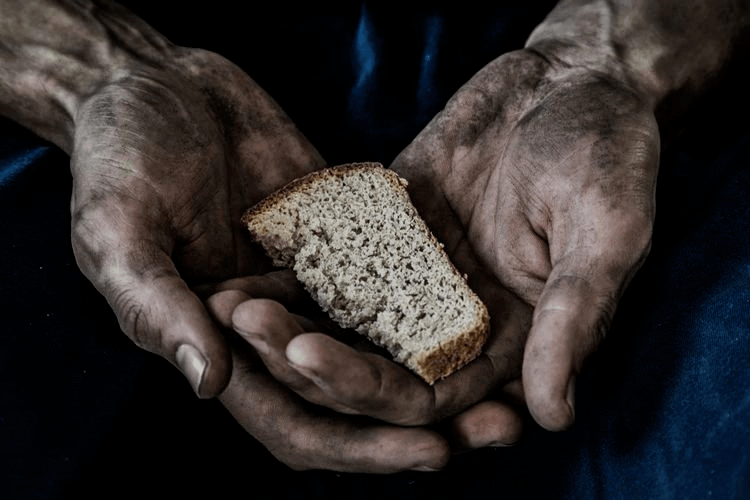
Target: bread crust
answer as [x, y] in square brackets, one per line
[456, 353]
[252, 215]
[448, 356]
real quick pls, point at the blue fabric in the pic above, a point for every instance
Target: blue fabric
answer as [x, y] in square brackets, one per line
[674, 424]
[13, 164]
[663, 409]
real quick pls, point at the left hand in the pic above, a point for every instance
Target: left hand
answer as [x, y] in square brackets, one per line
[548, 173]
[303, 435]
[302, 356]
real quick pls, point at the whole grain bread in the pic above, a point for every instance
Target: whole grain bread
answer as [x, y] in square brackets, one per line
[358, 245]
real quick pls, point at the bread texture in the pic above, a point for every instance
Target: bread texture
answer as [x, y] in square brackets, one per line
[358, 245]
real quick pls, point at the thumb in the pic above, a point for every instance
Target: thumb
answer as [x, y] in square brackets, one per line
[597, 259]
[570, 320]
[163, 316]
[156, 309]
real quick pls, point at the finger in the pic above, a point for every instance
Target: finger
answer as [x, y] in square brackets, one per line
[572, 317]
[489, 423]
[369, 384]
[308, 437]
[281, 286]
[372, 385]
[221, 305]
[566, 329]
[269, 328]
[363, 382]
[155, 307]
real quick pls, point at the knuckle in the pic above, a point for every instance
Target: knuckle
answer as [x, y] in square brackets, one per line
[596, 299]
[122, 265]
[395, 397]
[615, 246]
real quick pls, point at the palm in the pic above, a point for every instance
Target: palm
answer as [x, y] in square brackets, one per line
[177, 160]
[165, 159]
[547, 178]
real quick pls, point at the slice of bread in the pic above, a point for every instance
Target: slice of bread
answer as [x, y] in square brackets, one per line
[358, 245]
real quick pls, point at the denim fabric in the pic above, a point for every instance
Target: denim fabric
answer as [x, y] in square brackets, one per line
[663, 409]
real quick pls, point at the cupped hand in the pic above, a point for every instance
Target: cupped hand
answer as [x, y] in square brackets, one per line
[539, 178]
[165, 158]
[547, 171]
[308, 425]
[345, 373]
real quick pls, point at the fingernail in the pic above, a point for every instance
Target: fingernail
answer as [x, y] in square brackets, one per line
[303, 370]
[258, 343]
[192, 364]
[307, 372]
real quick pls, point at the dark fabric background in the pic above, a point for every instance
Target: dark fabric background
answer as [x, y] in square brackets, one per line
[663, 409]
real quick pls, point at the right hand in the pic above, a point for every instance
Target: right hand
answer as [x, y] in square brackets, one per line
[548, 171]
[165, 158]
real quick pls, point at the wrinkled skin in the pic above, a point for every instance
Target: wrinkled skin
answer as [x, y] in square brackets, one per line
[539, 177]
[164, 162]
[540, 180]
[548, 172]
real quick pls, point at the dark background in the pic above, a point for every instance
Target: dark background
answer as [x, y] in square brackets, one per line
[663, 409]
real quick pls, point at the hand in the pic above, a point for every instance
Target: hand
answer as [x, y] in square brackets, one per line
[277, 408]
[164, 164]
[165, 158]
[548, 171]
[323, 369]
[303, 435]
